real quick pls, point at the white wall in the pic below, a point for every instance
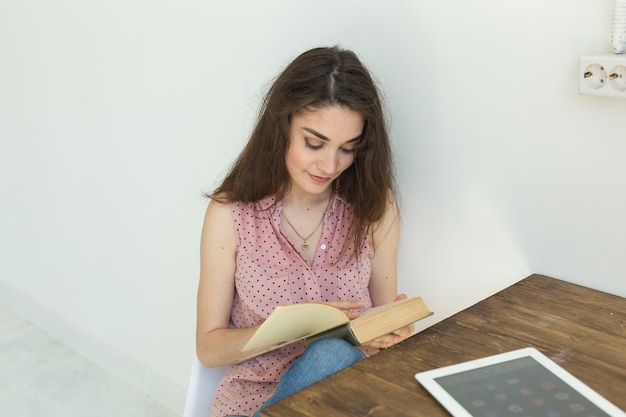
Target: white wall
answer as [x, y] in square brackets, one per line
[115, 115]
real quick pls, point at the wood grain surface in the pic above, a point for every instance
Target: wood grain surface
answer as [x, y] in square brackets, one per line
[581, 329]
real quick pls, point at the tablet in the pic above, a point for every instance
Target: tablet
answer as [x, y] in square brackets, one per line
[521, 383]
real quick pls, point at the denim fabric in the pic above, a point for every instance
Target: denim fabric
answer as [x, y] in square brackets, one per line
[321, 358]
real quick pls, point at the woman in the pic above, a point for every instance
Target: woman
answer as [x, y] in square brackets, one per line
[306, 214]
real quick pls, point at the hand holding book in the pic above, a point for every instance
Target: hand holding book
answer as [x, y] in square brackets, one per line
[390, 339]
[351, 308]
[352, 311]
[377, 327]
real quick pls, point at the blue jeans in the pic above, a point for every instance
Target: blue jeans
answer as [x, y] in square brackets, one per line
[321, 358]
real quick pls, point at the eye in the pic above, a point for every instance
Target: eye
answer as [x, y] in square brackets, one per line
[311, 146]
[348, 151]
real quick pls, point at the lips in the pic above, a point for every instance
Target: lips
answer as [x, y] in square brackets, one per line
[319, 180]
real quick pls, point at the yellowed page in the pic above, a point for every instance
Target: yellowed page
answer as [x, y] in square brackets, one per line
[295, 322]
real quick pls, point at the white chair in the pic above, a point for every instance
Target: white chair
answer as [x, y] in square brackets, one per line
[203, 383]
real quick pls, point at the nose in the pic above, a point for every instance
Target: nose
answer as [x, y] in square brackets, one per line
[328, 162]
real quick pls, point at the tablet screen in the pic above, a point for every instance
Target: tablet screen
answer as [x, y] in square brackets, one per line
[517, 388]
[519, 383]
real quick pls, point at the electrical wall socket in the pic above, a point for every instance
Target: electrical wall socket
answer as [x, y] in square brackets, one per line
[602, 74]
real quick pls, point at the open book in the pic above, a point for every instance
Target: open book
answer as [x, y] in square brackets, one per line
[288, 324]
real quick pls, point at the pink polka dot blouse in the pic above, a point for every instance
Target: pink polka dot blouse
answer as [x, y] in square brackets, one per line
[270, 272]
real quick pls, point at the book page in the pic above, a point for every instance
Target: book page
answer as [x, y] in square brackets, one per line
[294, 322]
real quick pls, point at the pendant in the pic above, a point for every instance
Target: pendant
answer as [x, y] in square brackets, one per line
[305, 246]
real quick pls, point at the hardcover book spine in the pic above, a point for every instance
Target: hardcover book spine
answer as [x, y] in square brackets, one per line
[342, 332]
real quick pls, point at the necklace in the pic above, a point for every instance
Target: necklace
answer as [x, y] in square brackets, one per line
[305, 245]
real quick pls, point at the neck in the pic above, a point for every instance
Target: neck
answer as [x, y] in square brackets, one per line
[307, 201]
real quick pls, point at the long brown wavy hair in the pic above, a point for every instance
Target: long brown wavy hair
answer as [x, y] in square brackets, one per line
[318, 78]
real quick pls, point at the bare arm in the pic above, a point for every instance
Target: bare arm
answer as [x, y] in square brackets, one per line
[383, 285]
[216, 343]
[385, 235]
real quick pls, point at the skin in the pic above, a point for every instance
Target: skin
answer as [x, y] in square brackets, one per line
[320, 149]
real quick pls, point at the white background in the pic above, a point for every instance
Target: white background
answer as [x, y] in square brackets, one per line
[115, 115]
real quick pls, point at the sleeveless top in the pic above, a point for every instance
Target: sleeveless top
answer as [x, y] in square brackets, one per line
[270, 272]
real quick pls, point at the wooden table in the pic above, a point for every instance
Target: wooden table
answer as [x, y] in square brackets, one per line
[581, 329]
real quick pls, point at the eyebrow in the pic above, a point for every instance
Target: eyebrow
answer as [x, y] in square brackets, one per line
[326, 138]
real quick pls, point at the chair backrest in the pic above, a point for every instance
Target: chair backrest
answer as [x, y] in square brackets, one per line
[203, 383]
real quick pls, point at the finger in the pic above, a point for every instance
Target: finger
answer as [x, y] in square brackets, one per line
[346, 304]
[386, 341]
[401, 297]
[406, 331]
[352, 314]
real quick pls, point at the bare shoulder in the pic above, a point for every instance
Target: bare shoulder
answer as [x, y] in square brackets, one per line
[392, 205]
[218, 224]
[217, 211]
[389, 221]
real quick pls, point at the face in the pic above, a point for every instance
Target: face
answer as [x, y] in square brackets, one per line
[321, 147]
